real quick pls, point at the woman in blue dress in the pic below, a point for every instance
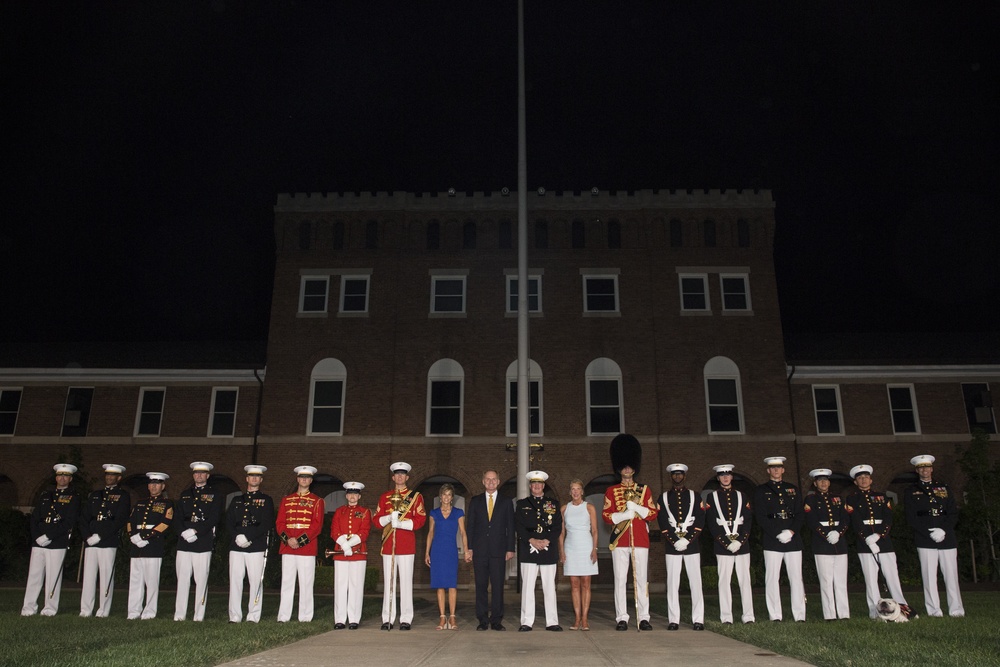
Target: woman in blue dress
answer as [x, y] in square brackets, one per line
[446, 523]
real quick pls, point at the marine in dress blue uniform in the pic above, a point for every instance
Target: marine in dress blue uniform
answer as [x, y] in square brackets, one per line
[777, 507]
[538, 524]
[826, 520]
[682, 519]
[102, 518]
[147, 528]
[199, 511]
[52, 523]
[249, 519]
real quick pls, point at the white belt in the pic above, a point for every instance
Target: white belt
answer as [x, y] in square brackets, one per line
[872, 522]
[147, 526]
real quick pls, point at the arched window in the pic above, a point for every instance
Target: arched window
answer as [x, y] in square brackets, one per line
[433, 235]
[338, 235]
[723, 396]
[534, 398]
[305, 235]
[541, 234]
[614, 234]
[445, 383]
[709, 233]
[327, 386]
[371, 234]
[676, 233]
[604, 398]
[579, 234]
[469, 235]
[505, 235]
[743, 233]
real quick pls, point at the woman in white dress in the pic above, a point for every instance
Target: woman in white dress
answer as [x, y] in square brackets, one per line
[578, 550]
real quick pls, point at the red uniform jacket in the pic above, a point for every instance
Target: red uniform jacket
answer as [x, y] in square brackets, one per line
[300, 517]
[636, 532]
[350, 521]
[405, 540]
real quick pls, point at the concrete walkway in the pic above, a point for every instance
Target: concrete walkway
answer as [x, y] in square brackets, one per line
[602, 645]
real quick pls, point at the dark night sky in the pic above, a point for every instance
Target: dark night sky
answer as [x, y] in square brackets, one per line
[145, 143]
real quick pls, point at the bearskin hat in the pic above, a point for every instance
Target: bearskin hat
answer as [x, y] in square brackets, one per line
[626, 451]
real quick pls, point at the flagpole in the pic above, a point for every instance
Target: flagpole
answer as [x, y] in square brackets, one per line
[523, 406]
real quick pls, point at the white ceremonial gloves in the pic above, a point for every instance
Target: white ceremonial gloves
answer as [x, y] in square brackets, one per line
[937, 534]
[385, 519]
[682, 544]
[872, 539]
[43, 541]
[138, 541]
[348, 551]
[734, 547]
[352, 541]
[242, 542]
[618, 517]
[785, 536]
[394, 519]
[190, 535]
[93, 539]
[404, 524]
[638, 509]
[833, 537]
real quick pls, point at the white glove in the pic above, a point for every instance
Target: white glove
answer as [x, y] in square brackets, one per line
[874, 548]
[395, 515]
[872, 539]
[681, 544]
[93, 539]
[242, 542]
[637, 509]
[138, 541]
[785, 536]
[618, 517]
[43, 541]
[348, 551]
[833, 537]
[341, 541]
[190, 535]
[405, 524]
[629, 504]
[384, 519]
[937, 534]
[734, 547]
[352, 542]
[395, 519]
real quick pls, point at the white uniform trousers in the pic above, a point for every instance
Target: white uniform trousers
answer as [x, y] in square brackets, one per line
[98, 561]
[530, 572]
[348, 590]
[793, 568]
[250, 565]
[870, 568]
[303, 569]
[691, 563]
[143, 580]
[741, 563]
[947, 560]
[44, 578]
[192, 564]
[403, 586]
[621, 559]
[832, 572]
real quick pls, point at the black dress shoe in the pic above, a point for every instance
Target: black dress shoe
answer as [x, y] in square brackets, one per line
[498, 627]
[622, 626]
[483, 626]
[524, 628]
[698, 626]
[673, 626]
[387, 626]
[644, 625]
[352, 626]
[554, 628]
[404, 626]
[339, 626]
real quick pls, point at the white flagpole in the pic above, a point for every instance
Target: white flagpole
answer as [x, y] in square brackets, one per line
[523, 406]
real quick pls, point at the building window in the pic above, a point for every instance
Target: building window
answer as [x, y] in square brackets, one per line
[541, 234]
[579, 234]
[326, 398]
[150, 411]
[534, 398]
[354, 294]
[604, 398]
[433, 235]
[979, 406]
[445, 381]
[709, 233]
[600, 294]
[447, 294]
[223, 423]
[10, 403]
[313, 294]
[505, 235]
[469, 235]
[338, 235]
[723, 396]
[305, 235]
[371, 234]
[614, 234]
[676, 233]
[77, 414]
[903, 405]
[534, 294]
[743, 233]
[735, 291]
[826, 401]
[694, 292]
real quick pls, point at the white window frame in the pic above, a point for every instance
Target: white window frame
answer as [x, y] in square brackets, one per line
[893, 410]
[445, 276]
[445, 370]
[703, 277]
[343, 293]
[839, 410]
[325, 279]
[534, 378]
[17, 412]
[600, 274]
[604, 370]
[510, 289]
[327, 370]
[212, 412]
[746, 292]
[723, 368]
[139, 412]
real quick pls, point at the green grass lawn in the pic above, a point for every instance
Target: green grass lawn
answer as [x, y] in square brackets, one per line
[925, 641]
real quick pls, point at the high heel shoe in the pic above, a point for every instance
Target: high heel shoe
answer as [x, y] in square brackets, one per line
[442, 625]
[452, 623]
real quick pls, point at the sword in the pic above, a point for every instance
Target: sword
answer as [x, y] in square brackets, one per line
[111, 579]
[260, 587]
